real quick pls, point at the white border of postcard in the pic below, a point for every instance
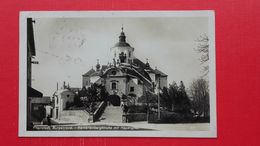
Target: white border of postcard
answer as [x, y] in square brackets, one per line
[212, 133]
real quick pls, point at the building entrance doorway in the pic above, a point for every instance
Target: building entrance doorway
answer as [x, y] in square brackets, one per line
[114, 100]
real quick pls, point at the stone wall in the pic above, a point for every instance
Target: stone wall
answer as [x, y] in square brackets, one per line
[132, 117]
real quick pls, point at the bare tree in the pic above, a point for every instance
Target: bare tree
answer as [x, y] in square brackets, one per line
[199, 91]
[203, 49]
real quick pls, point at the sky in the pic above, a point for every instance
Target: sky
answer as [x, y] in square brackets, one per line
[66, 48]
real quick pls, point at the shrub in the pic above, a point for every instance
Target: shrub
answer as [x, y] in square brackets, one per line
[137, 109]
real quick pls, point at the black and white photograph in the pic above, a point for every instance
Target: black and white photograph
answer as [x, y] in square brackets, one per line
[117, 74]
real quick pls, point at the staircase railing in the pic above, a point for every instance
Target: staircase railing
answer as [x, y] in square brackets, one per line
[98, 112]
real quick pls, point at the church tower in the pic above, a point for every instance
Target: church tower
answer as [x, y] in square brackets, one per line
[122, 52]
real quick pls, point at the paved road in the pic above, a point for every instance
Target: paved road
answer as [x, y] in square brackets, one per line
[112, 114]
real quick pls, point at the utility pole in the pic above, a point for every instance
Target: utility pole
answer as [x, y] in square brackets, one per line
[147, 103]
[159, 110]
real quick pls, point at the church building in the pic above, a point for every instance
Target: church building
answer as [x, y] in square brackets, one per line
[126, 76]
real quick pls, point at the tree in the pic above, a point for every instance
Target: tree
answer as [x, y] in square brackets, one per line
[203, 49]
[77, 101]
[151, 97]
[93, 94]
[166, 101]
[173, 94]
[182, 100]
[199, 91]
[177, 99]
[131, 98]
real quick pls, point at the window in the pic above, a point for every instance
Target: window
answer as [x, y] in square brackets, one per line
[113, 86]
[57, 99]
[132, 89]
[113, 72]
[129, 54]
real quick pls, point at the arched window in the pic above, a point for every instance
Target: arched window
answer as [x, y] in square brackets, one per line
[114, 86]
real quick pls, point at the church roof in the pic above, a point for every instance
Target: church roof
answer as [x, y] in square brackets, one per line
[96, 73]
[133, 71]
[104, 67]
[158, 72]
[144, 66]
[142, 75]
[122, 44]
[140, 64]
[91, 71]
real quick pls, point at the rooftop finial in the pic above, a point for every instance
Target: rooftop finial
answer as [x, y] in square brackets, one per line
[98, 65]
[122, 35]
[147, 64]
[122, 28]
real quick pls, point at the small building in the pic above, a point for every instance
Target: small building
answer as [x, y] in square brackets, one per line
[62, 99]
[40, 108]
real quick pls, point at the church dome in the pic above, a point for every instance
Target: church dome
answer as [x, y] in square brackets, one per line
[122, 44]
[122, 40]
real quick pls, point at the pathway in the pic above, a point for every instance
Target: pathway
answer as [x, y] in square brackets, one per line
[73, 116]
[112, 114]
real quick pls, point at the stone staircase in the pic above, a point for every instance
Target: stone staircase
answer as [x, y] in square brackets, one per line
[112, 114]
[74, 116]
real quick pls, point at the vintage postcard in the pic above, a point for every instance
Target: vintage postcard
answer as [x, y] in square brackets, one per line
[117, 74]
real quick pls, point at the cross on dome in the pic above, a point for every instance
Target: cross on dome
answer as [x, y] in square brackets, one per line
[122, 28]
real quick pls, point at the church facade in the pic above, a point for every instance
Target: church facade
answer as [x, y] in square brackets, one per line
[126, 76]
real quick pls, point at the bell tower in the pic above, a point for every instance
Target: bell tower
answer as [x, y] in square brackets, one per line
[98, 65]
[122, 51]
